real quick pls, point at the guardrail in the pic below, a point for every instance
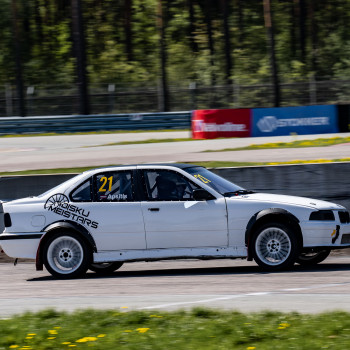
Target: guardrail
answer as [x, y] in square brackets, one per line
[83, 123]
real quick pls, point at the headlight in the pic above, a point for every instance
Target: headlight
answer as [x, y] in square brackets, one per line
[322, 215]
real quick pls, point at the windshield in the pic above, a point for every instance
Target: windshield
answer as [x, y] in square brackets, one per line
[216, 182]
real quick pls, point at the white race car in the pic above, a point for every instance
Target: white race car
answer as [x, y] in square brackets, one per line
[104, 217]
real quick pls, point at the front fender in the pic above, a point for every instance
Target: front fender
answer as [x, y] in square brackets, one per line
[271, 214]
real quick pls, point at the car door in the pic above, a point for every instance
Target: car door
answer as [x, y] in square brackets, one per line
[173, 219]
[114, 210]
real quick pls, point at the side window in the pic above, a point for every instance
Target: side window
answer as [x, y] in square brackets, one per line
[166, 185]
[82, 193]
[113, 186]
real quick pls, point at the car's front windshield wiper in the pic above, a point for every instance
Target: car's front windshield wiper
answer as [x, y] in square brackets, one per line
[237, 193]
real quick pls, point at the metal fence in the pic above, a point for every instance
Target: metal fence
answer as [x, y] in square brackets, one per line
[60, 124]
[116, 99]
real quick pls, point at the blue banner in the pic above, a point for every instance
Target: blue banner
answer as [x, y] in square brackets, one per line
[299, 120]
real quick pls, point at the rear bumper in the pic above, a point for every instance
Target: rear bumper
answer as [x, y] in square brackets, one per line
[21, 245]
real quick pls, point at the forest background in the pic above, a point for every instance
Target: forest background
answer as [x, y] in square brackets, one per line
[184, 44]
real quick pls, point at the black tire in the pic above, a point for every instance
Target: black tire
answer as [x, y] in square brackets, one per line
[275, 247]
[105, 268]
[310, 258]
[66, 255]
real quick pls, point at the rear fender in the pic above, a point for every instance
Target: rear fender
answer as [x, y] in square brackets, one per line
[62, 225]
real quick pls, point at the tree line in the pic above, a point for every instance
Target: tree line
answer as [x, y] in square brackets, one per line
[173, 42]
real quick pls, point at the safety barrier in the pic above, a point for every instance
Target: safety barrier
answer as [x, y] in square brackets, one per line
[83, 123]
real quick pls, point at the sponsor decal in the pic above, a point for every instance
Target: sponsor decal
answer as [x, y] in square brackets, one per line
[271, 123]
[59, 204]
[201, 126]
[202, 178]
[118, 197]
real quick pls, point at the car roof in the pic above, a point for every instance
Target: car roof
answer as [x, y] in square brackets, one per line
[175, 165]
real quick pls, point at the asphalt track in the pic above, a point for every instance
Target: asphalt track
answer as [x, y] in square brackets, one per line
[224, 284]
[47, 152]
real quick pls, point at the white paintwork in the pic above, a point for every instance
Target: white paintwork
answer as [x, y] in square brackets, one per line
[177, 225]
[20, 248]
[126, 231]
[159, 254]
[120, 225]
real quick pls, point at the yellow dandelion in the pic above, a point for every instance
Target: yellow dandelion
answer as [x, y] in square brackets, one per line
[50, 338]
[82, 340]
[284, 324]
[66, 342]
[251, 347]
[91, 338]
[142, 330]
[31, 334]
[57, 327]
[101, 335]
[52, 331]
[14, 346]
[29, 337]
[86, 339]
[124, 307]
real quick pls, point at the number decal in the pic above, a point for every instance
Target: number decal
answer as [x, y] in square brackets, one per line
[104, 181]
[202, 178]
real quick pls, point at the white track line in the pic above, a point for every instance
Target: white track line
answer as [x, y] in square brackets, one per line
[236, 296]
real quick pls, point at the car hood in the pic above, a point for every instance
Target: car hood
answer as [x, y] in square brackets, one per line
[287, 200]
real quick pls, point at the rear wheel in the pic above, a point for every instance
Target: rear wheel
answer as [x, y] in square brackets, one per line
[312, 257]
[275, 247]
[66, 255]
[105, 268]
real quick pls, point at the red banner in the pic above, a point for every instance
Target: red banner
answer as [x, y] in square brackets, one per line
[214, 123]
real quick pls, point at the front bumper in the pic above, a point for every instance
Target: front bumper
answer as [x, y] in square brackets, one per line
[21, 245]
[331, 234]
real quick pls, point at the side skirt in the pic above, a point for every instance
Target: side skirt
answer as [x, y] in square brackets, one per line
[175, 253]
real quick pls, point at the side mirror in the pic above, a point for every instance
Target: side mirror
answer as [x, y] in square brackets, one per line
[202, 195]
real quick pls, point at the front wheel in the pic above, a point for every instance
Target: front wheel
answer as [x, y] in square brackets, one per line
[105, 268]
[274, 246]
[66, 255]
[310, 258]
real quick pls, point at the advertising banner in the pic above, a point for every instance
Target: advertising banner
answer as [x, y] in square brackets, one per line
[299, 120]
[214, 123]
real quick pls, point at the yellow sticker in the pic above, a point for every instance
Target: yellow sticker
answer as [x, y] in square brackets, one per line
[202, 178]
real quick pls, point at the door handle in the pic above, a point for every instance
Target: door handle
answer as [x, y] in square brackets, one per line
[153, 209]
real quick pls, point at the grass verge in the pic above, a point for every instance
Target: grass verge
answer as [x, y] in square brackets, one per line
[322, 142]
[208, 164]
[196, 329]
[142, 142]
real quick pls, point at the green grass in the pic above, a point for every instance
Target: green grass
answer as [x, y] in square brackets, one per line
[196, 329]
[322, 142]
[208, 164]
[142, 142]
